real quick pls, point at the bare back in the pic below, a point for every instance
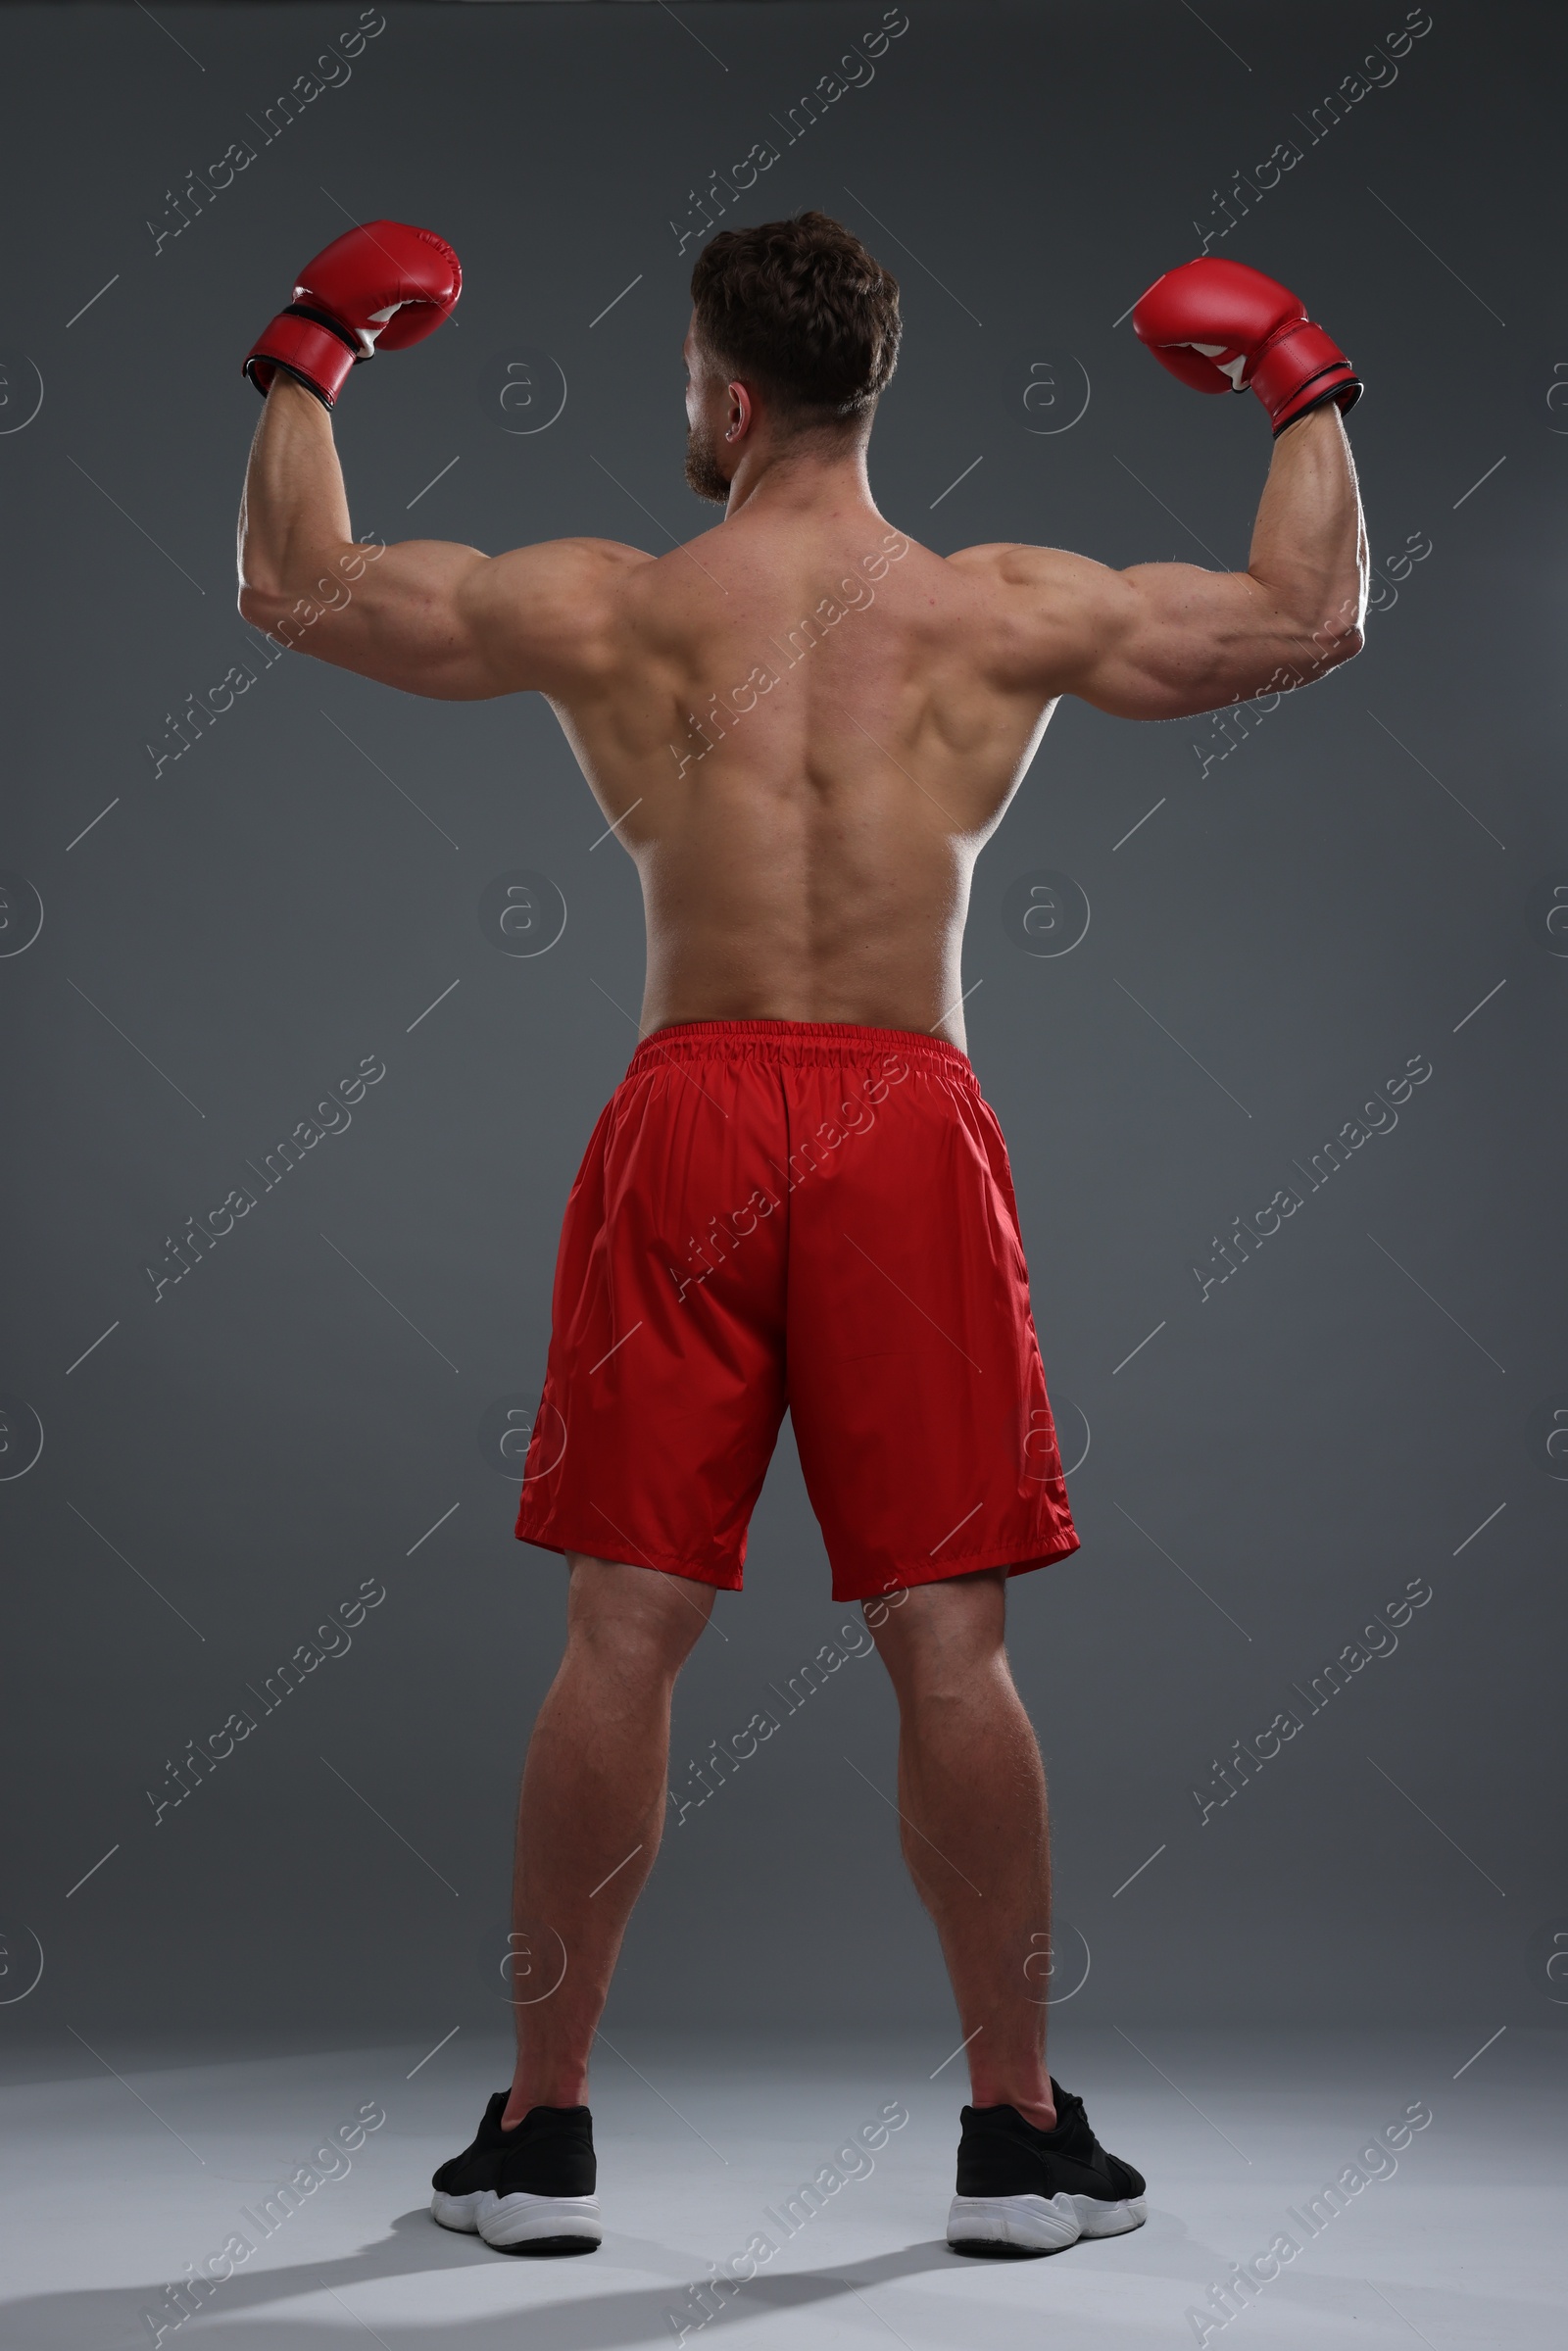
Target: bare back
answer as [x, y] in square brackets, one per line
[802, 725]
[804, 737]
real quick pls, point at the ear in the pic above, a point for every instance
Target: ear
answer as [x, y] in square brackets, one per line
[741, 412]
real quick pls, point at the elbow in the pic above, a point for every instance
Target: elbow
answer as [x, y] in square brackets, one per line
[1336, 639]
[261, 606]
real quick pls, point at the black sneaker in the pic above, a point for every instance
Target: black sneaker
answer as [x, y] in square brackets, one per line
[529, 2189]
[1022, 2189]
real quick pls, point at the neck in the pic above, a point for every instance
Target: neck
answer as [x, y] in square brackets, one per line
[802, 478]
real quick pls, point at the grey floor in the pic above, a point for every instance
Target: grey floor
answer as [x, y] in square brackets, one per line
[123, 2170]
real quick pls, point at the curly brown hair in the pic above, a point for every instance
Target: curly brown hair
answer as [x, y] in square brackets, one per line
[802, 309]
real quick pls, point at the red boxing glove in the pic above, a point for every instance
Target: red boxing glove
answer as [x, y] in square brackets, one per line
[1223, 327]
[384, 283]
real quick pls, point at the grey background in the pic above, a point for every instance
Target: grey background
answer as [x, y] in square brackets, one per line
[230, 937]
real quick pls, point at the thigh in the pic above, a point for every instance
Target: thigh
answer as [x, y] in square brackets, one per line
[915, 1381]
[664, 1386]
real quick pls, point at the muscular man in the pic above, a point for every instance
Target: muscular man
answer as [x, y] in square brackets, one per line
[802, 727]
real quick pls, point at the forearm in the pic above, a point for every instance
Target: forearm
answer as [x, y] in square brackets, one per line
[1309, 551]
[294, 514]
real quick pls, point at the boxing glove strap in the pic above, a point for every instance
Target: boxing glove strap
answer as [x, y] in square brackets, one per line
[309, 348]
[1289, 361]
[303, 309]
[1334, 383]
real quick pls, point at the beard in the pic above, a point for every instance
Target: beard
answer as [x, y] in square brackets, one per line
[702, 466]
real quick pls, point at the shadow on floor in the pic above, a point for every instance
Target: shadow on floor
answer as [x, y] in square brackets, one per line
[553, 2305]
[110, 2318]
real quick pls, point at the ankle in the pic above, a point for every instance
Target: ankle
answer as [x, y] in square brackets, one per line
[544, 2089]
[1033, 2101]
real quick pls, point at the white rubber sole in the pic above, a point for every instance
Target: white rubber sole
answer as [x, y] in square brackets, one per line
[1037, 2224]
[548, 2224]
[459, 2212]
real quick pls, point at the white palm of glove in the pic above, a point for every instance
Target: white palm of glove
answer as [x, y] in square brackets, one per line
[1230, 367]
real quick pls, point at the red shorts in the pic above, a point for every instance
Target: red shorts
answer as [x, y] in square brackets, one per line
[778, 1212]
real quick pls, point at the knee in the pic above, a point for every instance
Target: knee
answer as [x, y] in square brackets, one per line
[634, 1624]
[937, 1692]
[636, 1655]
[947, 1642]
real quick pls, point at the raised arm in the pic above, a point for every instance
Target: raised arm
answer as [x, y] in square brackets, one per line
[424, 614]
[1167, 640]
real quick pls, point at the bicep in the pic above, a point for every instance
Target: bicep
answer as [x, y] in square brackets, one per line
[1155, 641]
[1168, 640]
[436, 618]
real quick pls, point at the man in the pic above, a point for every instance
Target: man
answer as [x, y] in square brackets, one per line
[803, 728]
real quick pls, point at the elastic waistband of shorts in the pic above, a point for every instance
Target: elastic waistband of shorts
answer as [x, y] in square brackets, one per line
[797, 1044]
